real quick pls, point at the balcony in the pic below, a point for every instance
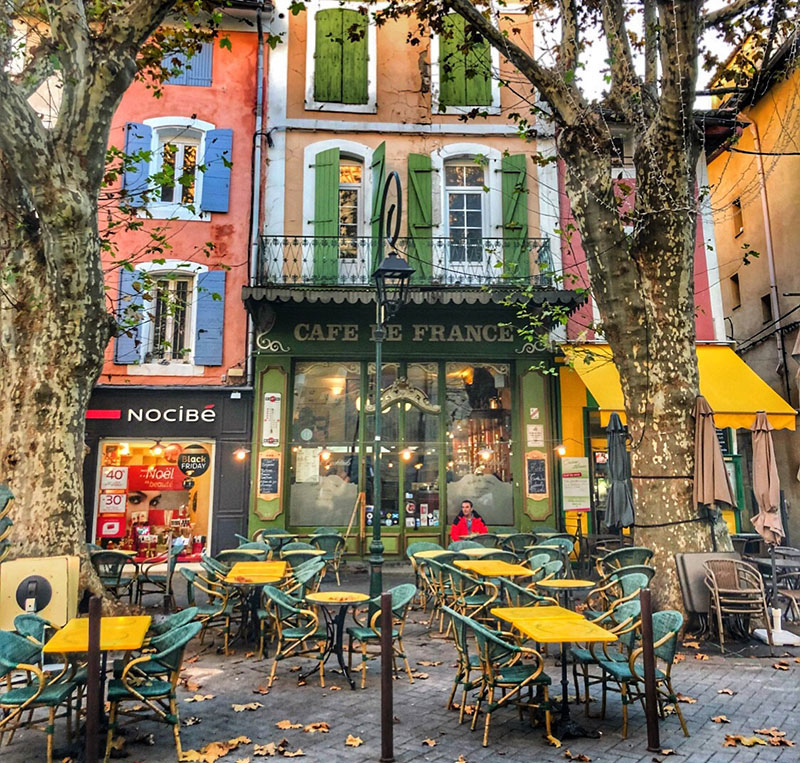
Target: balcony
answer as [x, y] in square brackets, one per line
[317, 261]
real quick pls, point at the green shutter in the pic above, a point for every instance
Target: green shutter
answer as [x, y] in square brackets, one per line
[452, 85]
[420, 216]
[326, 216]
[515, 216]
[354, 57]
[328, 56]
[464, 66]
[378, 169]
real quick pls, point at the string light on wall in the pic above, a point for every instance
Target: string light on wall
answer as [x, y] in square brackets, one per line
[325, 455]
[157, 449]
[240, 454]
[561, 450]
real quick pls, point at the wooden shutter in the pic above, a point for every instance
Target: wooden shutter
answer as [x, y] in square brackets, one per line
[420, 216]
[328, 56]
[217, 175]
[464, 66]
[195, 70]
[354, 57]
[209, 318]
[136, 177]
[378, 169]
[127, 346]
[515, 216]
[326, 216]
[452, 87]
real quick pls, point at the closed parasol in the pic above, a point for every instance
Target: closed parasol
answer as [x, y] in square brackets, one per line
[712, 486]
[619, 500]
[766, 483]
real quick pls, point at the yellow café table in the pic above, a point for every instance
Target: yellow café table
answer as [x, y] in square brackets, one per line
[250, 577]
[334, 624]
[542, 612]
[431, 553]
[493, 568]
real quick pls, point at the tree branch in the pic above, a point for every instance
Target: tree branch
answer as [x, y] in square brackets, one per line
[37, 69]
[626, 92]
[564, 97]
[568, 49]
[728, 12]
[650, 47]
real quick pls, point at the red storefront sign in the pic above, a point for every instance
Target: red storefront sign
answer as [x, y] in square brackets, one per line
[144, 478]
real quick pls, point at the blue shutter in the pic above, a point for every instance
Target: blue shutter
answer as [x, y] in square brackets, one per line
[209, 318]
[217, 175]
[138, 138]
[129, 305]
[194, 71]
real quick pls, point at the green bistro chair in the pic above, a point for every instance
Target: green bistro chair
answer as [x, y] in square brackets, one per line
[305, 578]
[623, 619]
[470, 596]
[176, 620]
[33, 627]
[417, 564]
[296, 558]
[326, 531]
[231, 556]
[618, 588]
[333, 545]
[42, 690]
[152, 582]
[214, 570]
[536, 561]
[296, 545]
[487, 540]
[460, 545]
[110, 567]
[503, 672]
[623, 557]
[552, 553]
[153, 691]
[516, 543]
[501, 556]
[547, 571]
[275, 536]
[519, 596]
[467, 663]
[402, 596]
[218, 609]
[629, 675]
[294, 627]
[257, 545]
[567, 547]
[440, 584]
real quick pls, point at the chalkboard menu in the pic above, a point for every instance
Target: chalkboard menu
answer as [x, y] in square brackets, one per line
[536, 473]
[269, 470]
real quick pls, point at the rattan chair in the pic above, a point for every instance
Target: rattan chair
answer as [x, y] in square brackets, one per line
[516, 543]
[736, 591]
[460, 545]
[110, 567]
[333, 545]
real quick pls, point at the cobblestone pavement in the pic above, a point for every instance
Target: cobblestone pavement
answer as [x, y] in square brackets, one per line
[760, 697]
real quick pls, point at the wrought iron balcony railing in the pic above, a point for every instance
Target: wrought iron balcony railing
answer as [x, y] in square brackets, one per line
[446, 262]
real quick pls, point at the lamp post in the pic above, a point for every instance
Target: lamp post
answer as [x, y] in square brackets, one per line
[392, 277]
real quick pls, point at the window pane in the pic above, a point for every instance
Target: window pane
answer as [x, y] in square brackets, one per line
[169, 152]
[325, 396]
[188, 174]
[160, 319]
[454, 174]
[479, 420]
[472, 200]
[179, 318]
[349, 173]
[473, 175]
[474, 220]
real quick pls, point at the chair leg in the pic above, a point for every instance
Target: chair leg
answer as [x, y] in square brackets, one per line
[676, 704]
[463, 709]
[274, 668]
[69, 719]
[363, 664]
[547, 716]
[112, 722]
[623, 693]
[488, 717]
[51, 729]
[321, 664]
[176, 726]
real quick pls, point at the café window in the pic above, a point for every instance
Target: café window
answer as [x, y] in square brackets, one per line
[152, 493]
[325, 443]
[478, 404]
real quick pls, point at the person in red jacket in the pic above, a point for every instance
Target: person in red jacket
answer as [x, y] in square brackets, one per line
[467, 522]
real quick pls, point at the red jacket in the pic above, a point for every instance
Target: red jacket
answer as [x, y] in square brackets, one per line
[459, 529]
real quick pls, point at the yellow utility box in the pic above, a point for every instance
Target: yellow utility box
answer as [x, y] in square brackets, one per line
[46, 586]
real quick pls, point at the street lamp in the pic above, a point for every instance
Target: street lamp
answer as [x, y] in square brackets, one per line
[392, 278]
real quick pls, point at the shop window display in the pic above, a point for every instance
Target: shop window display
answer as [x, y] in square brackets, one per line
[478, 405]
[150, 492]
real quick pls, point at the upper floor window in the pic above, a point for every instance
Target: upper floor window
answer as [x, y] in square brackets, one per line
[177, 167]
[350, 206]
[340, 63]
[462, 71]
[190, 70]
[169, 338]
[465, 182]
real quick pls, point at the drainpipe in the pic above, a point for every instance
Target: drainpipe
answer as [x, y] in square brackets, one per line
[255, 209]
[773, 281]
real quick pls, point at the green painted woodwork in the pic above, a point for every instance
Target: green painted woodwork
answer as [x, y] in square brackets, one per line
[378, 169]
[420, 215]
[534, 400]
[464, 66]
[326, 215]
[340, 53]
[515, 216]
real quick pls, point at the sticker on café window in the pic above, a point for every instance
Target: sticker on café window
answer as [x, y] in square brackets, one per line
[194, 460]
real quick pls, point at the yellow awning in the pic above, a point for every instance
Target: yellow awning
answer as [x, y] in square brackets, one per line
[732, 388]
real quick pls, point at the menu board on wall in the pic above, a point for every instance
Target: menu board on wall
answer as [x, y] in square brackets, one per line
[536, 474]
[269, 474]
[306, 468]
[575, 487]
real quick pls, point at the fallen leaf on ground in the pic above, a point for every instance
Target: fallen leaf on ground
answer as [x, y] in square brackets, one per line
[429, 663]
[683, 698]
[430, 742]
[336, 688]
[190, 685]
[778, 741]
[294, 668]
[461, 759]
[265, 750]
[773, 732]
[669, 709]
[270, 750]
[720, 719]
[199, 698]
[422, 676]
[553, 741]
[733, 740]
[283, 725]
[781, 665]
[248, 655]
[352, 741]
[313, 728]
[569, 755]
[191, 660]
[261, 690]
[691, 644]
[192, 721]
[214, 750]
[729, 692]
[667, 751]
[701, 656]
[248, 706]
[242, 760]
[797, 659]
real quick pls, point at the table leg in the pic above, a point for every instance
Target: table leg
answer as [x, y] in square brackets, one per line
[339, 646]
